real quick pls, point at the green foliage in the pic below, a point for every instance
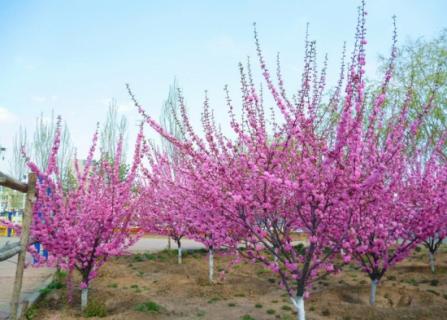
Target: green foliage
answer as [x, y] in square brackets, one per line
[258, 305]
[434, 282]
[422, 63]
[95, 309]
[247, 317]
[31, 313]
[149, 307]
[271, 311]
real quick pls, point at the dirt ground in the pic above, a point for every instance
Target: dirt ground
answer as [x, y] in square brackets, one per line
[153, 286]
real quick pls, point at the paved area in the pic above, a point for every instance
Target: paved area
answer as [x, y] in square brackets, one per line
[160, 243]
[33, 280]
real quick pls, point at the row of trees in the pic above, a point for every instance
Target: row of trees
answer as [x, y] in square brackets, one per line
[351, 170]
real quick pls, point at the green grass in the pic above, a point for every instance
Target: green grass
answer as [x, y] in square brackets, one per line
[95, 309]
[286, 308]
[270, 311]
[247, 317]
[258, 305]
[148, 307]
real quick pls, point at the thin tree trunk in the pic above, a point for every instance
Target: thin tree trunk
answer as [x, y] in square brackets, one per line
[298, 303]
[169, 243]
[211, 265]
[179, 251]
[372, 293]
[432, 258]
[84, 298]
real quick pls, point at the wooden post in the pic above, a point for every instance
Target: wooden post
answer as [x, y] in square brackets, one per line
[24, 240]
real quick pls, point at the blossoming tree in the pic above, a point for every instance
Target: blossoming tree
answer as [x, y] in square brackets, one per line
[84, 226]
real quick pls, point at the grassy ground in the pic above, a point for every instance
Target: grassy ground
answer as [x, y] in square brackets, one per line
[153, 286]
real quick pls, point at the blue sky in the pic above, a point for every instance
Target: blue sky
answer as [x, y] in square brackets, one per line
[74, 56]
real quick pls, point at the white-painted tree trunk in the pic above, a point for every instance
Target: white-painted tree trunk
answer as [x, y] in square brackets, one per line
[179, 253]
[84, 298]
[432, 262]
[372, 293]
[298, 303]
[211, 265]
[169, 243]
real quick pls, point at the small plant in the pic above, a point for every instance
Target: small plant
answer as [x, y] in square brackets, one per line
[312, 308]
[231, 304]
[271, 311]
[418, 249]
[200, 313]
[213, 300]
[149, 256]
[326, 312]
[113, 285]
[271, 280]
[258, 306]
[138, 258]
[95, 309]
[434, 282]
[247, 317]
[240, 295]
[445, 296]
[412, 282]
[134, 286]
[274, 301]
[286, 308]
[31, 313]
[391, 278]
[149, 306]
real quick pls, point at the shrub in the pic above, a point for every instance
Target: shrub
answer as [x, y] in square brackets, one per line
[149, 306]
[434, 282]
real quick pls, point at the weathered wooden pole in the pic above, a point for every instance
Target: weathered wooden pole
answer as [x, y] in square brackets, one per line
[24, 241]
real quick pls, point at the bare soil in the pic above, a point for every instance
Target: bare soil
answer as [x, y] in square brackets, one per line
[407, 291]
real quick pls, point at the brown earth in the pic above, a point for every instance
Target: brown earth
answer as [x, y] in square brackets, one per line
[407, 291]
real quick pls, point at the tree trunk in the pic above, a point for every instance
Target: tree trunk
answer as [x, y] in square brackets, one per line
[179, 251]
[298, 303]
[432, 258]
[372, 293]
[169, 243]
[84, 298]
[211, 265]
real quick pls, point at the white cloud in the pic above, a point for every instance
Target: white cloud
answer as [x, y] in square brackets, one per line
[7, 116]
